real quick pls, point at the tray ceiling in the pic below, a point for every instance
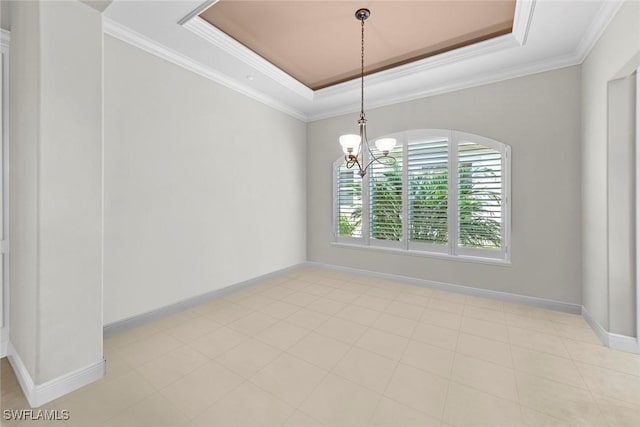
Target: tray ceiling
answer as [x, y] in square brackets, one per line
[318, 42]
[546, 34]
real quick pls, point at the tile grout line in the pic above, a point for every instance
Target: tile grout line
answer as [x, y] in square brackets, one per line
[573, 362]
[395, 298]
[381, 395]
[515, 378]
[446, 396]
[395, 369]
[329, 371]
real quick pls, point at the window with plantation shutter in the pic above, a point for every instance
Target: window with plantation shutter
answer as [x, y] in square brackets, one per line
[479, 196]
[447, 195]
[428, 201]
[349, 202]
[385, 197]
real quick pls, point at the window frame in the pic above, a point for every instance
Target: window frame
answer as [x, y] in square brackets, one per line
[453, 249]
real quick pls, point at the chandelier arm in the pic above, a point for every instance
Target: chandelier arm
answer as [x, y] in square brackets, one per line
[383, 160]
[386, 160]
[365, 140]
[351, 161]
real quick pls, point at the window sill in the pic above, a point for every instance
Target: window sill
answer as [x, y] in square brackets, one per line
[435, 255]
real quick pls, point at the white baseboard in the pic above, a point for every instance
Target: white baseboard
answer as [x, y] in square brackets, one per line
[615, 341]
[600, 332]
[124, 325]
[38, 395]
[4, 342]
[143, 318]
[624, 343]
[459, 289]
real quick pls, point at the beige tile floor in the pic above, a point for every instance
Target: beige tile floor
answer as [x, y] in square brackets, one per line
[325, 348]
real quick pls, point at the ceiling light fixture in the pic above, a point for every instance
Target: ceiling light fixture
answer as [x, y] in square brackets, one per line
[352, 144]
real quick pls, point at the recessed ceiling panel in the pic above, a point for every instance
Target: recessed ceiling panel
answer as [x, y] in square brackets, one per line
[318, 42]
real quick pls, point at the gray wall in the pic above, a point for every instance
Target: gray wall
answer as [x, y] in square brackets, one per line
[539, 116]
[5, 15]
[614, 52]
[621, 204]
[204, 187]
[56, 183]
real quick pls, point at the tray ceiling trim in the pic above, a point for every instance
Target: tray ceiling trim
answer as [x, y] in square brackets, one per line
[166, 39]
[517, 38]
[221, 40]
[521, 20]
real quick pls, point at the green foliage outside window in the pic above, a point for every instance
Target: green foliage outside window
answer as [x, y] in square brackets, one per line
[347, 227]
[386, 204]
[477, 228]
[428, 200]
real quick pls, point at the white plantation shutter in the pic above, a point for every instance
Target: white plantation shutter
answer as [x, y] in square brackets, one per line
[348, 202]
[447, 194]
[385, 195]
[480, 184]
[428, 167]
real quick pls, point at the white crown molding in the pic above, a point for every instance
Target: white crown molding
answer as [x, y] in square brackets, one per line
[488, 77]
[221, 40]
[38, 395]
[496, 44]
[513, 55]
[5, 37]
[133, 38]
[197, 11]
[200, 27]
[607, 11]
[522, 20]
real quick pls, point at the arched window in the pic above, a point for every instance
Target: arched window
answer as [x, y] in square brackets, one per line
[447, 194]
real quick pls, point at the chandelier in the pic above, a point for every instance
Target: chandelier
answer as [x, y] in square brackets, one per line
[352, 144]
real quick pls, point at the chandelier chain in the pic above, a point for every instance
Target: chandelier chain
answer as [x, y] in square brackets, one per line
[356, 147]
[362, 70]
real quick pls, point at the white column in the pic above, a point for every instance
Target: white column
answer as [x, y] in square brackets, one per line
[56, 197]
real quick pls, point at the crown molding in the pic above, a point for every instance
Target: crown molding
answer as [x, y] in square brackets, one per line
[200, 27]
[197, 11]
[517, 38]
[221, 40]
[530, 48]
[489, 77]
[496, 44]
[607, 11]
[522, 20]
[133, 38]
